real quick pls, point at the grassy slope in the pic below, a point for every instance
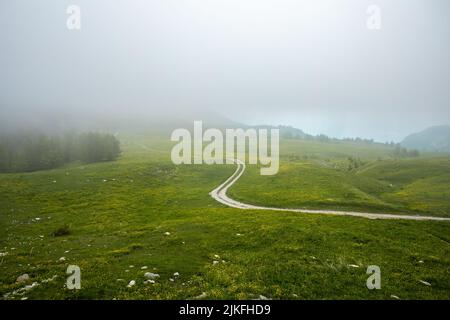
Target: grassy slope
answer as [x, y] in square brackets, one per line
[121, 222]
[317, 176]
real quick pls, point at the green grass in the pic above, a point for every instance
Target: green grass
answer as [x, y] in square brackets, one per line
[117, 214]
[323, 181]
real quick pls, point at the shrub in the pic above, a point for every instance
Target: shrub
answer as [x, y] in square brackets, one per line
[61, 231]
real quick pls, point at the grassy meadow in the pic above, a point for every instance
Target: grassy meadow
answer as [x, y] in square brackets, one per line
[143, 214]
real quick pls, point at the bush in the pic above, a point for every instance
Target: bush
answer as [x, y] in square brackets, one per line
[61, 231]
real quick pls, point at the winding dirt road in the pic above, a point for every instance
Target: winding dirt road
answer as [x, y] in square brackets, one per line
[220, 195]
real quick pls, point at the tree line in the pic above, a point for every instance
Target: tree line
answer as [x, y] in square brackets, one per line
[33, 151]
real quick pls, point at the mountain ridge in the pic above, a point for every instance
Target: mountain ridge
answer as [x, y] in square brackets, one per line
[433, 139]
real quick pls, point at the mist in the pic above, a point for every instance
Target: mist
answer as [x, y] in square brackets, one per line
[311, 64]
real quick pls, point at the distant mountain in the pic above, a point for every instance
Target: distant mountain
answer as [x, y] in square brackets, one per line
[436, 139]
[286, 131]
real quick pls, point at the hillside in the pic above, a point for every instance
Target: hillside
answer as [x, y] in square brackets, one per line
[141, 213]
[435, 139]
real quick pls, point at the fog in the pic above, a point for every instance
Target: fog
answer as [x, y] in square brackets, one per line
[311, 64]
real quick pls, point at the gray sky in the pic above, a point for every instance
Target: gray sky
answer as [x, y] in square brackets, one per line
[310, 64]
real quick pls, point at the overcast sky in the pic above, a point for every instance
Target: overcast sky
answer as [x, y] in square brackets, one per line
[311, 64]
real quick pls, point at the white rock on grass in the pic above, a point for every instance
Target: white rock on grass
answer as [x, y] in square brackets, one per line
[201, 296]
[215, 262]
[62, 259]
[23, 278]
[176, 274]
[151, 275]
[425, 283]
[167, 233]
[31, 286]
[132, 283]
[50, 279]
[144, 267]
[149, 281]
[216, 256]
[171, 279]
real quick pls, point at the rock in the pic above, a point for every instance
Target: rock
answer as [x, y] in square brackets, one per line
[171, 279]
[216, 256]
[176, 274]
[23, 278]
[31, 286]
[50, 279]
[215, 262]
[425, 283]
[144, 267]
[420, 261]
[62, 259]
[132, 283]
[151, 275]
[149, 281]
[238, 234]
[167, 233]
[201, 296]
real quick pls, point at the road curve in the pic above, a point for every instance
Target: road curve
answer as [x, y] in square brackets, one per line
[220, 195]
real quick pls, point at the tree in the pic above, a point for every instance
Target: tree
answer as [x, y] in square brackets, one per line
[30, 151]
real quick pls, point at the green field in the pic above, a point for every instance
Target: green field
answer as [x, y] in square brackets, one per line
[118, 214]
[317, 175]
